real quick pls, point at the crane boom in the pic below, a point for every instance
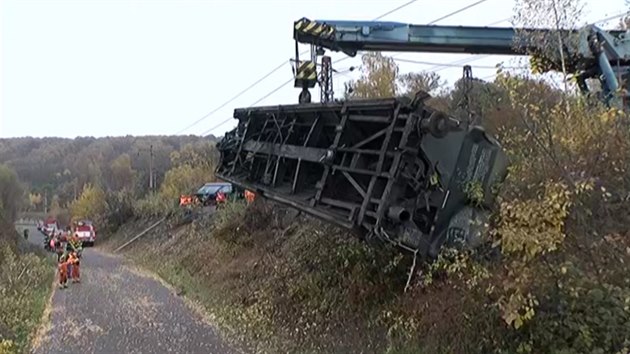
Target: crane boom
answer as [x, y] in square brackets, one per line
[600, 54]
[353, 36]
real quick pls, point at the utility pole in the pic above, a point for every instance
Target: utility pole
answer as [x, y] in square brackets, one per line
[467, 80]
[151, 178]
[151, 172]
[326, 80]
[45, 201]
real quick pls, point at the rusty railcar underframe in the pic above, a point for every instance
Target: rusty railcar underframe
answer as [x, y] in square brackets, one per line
[394, 168]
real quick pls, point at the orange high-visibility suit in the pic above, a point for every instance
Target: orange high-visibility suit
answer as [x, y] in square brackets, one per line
[221, 199]
[249, 196]
[62, 268]
[73, 259]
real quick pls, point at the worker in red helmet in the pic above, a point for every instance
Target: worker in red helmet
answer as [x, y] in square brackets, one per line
[221, 199]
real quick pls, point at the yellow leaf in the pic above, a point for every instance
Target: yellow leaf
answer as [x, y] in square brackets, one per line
[518, 322]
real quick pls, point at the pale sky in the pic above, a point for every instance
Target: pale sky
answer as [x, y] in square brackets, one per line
[128, 67]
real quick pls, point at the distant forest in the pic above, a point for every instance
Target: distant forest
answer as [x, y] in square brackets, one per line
[57, 168]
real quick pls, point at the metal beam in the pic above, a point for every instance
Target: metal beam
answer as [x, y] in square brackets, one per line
[287, 151]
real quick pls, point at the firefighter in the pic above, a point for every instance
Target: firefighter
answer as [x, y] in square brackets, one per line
[71, 246]
[221, 199]
[62, 268]
[50, 244]
[249, 196]
[74, 244]
[58, 247]
[73, 272]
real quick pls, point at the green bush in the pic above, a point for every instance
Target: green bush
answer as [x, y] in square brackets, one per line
[10, 193]
[119, 209]
[154, 205]
[24, 286]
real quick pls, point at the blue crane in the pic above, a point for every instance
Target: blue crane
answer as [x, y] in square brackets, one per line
[597, 54]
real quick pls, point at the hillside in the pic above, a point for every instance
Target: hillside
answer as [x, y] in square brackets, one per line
[56, 172]
[61, 167]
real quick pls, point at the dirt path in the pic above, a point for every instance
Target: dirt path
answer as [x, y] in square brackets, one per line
[118, 310]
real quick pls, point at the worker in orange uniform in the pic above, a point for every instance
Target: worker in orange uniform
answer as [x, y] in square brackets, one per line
[62, 268]
[221, 199]
[249, 196]
[73, 259]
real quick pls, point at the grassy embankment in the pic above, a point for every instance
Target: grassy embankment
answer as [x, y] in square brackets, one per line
[280, 283]
[25, 287]
[295, 285]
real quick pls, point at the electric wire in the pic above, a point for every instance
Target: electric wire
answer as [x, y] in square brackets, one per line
[467, 7]
[394, 10]
[411, 61]
[260, 100]
[273, 71]
[233, 98]
[251, 105]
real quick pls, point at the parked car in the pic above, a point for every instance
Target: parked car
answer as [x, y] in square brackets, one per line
[207, 194]
[86, 232]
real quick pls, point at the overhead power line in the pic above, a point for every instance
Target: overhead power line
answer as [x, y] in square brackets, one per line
[457, 11]
[445, 64]
[273, 71]
[233, 98]
[263, 98]
[251, 105]
[625, 13]
[394, 10]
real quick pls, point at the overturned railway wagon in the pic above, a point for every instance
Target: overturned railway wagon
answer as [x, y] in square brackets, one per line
[393, 168]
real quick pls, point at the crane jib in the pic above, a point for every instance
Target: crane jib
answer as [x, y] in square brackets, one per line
[594, 52]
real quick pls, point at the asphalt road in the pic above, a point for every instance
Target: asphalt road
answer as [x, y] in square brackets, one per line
[116, 309]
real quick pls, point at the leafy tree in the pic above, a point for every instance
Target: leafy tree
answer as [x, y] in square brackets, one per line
[35, 200]
[194, 166]
[10, 193]
[378, 78]
[421, 81]
[55, 206]
[90, 205]
[121, 173]
[549, 49]
[202, 153]
[487, 103]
